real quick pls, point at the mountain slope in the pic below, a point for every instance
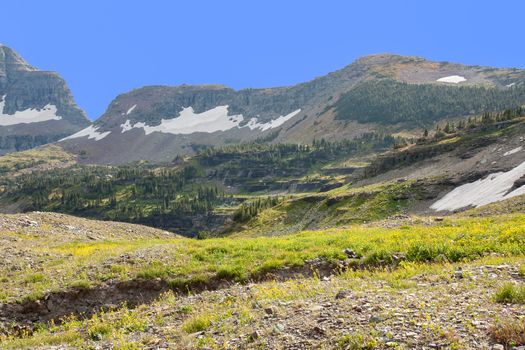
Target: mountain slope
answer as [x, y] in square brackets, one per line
[36, 107]
[157, 123]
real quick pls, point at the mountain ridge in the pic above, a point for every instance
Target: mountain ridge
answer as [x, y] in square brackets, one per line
[159, 122]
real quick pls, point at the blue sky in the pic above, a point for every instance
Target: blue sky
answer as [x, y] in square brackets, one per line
[107, 47]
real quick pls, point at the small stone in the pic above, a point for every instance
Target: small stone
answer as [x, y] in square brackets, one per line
[318, 330]
[279, 327]
[350, 253]
[255, 335]
[316, 308]
[497, 347]
[345, 293]
[458, 274]
[269, 311]
[375, 319]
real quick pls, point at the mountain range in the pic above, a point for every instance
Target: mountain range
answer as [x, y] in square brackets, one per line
[378, 93]
[382, 93]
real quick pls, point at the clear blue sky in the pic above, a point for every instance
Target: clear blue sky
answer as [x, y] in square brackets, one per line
[106, 47]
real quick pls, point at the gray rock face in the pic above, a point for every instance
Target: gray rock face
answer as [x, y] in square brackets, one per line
[122, 135]
[24, 88]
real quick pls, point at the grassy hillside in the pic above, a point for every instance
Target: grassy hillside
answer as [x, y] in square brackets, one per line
[120, 255]
[46, 157]
[108, 264]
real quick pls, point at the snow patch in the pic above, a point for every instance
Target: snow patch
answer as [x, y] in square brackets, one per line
[188, 122]
[215, 119]
[454, 79]
[91, 132]
[493, 188]
[510, 85]
[126, 126]
[49, 112]
[253, 124]
[131, 109]
[512, 151]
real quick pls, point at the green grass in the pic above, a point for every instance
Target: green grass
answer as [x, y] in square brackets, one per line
[187, 261]
[35, 278]
[345, 205]
[510, 293]
[50, 155]
[197, 324]
[357, 342]
[521, 271]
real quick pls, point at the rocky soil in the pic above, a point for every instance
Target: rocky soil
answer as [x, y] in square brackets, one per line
[444, 307]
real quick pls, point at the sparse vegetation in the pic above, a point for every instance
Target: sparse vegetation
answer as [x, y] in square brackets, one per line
[511, 293]
[509, 332]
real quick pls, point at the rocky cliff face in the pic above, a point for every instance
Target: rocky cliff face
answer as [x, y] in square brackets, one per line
[36, 107]
[157, 123]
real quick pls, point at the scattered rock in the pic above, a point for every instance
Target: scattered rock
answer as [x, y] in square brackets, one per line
[255, 335]
[345, 293]
[318, 330]
[270, 311]
[350, 253]
[458, 274]
[316, 308]
[279, 327]
[375, 319]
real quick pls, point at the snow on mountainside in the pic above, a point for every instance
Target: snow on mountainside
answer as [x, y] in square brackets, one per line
[30, 115]
[213, 120]
[36, 107]
[454, 79]
[495, 187]
[91, 132]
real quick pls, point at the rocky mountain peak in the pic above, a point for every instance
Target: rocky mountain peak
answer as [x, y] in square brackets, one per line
[37, 107]
[11, 61]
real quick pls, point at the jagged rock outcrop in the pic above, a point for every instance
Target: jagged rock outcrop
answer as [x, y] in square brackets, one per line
[36, 107]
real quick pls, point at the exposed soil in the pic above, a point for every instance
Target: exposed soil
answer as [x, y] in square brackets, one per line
[84, 302]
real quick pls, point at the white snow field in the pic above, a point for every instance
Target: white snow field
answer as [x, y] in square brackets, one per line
[454, 79]
[495, 187]
[49, 112]
[126, 126]
[215, 119]
[253, 124]
[512, 151]
[131, 109]
[91, 133]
